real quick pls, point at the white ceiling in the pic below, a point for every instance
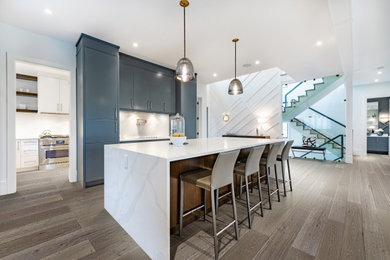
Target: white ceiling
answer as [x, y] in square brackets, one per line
[371, 40]
[279, 33]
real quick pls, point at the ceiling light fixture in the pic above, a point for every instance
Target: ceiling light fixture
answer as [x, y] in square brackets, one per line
[235, 86]
[215, 75]
[184, 68]
[135, 44]
[319, 43]
[48, 11]
[379, 72]
[257, 62]
[376, 80]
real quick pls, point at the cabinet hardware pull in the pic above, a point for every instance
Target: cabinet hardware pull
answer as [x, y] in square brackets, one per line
[61, 107]
[150, 105]
[116, 113]
[58, 108]
[131, 103]
[116, 127]
[165, 107]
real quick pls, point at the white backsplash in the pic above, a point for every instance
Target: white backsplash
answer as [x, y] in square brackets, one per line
[31, 125]
[156, 125]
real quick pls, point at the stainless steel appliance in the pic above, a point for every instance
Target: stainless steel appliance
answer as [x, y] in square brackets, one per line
[53, 151]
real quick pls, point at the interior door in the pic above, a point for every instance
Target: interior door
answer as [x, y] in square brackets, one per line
[48, 95]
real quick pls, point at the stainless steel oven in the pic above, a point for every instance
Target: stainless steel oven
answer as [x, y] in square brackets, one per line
[53, 151]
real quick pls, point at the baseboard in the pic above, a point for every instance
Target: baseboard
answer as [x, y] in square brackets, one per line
[94, 183]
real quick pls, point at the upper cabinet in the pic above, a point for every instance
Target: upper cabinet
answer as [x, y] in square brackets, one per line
[53, 95]
[145, 86]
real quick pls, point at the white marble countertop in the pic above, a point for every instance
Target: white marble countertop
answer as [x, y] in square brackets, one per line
[385, 135]
[194, 148]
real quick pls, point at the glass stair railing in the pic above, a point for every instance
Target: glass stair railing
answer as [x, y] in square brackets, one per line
[329, 132]
[295, 94]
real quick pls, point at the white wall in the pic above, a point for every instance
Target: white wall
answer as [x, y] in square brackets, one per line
[360, 96]
[18, 44]
[258, 107]
[333, 104]
[156, 125]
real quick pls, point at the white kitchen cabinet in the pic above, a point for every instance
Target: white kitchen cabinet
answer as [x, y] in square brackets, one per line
[27, 154]
[53, 95]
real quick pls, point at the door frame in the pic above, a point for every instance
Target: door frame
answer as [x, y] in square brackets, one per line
[11, 114]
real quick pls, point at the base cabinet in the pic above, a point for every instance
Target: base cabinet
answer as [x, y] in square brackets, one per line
[378, 144]
[27, 156]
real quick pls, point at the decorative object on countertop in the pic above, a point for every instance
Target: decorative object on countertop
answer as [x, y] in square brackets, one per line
[177, 130]
[184, 68]
[235, 86]
[141, 121]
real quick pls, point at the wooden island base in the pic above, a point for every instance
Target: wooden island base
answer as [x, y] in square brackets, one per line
[193, 194]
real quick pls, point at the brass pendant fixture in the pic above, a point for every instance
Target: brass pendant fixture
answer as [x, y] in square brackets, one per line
[235, 86]
[184, 67]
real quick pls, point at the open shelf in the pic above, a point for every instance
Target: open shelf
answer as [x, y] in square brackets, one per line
[28, 94]
[26, 77]
[26, 110]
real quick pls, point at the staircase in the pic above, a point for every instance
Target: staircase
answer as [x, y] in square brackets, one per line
[333, 145]
[293, 108]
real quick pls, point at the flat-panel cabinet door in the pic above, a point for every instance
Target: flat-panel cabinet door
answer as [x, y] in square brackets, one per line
[94, 162]
[143, 79]
[156, 93]
[126, 86]
[64, 96]
[101, 77]
[48, 95]
[168, 94]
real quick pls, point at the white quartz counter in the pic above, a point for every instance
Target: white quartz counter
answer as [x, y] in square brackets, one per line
[194, 148]
[137, 185]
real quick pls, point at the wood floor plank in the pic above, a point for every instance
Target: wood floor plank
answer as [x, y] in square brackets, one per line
[332, 238]
[77, 251]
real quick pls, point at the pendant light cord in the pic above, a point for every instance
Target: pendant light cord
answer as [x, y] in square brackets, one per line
[184, 31]
[235, 60]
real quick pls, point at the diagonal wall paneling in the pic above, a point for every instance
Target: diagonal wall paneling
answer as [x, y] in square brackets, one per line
[258, 107]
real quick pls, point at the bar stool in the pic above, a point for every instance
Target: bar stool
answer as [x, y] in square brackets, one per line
[269, 162]
[282, 158]
[246, 170]
[220, 176]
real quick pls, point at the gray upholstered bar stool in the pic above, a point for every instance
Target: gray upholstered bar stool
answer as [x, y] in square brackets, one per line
[246, 170]
[220, 176]
[282, 158]
[268, 163]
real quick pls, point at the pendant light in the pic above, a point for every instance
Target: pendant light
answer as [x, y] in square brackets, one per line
[184, 68]
[235, 86]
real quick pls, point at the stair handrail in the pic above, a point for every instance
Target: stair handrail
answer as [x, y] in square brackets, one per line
[291, 90]
[331, 119]
[315, 130]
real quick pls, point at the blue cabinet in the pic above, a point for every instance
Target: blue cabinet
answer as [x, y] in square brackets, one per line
[97, 80]
[186, 99]
[145, 86]
[378, 144]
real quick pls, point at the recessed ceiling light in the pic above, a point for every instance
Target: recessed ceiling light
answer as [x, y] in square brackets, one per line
[376, 80]
[319, 43]
[379, 72]
[48, 11]
[257, 62]
[159, 74]
[135, 44]
[215, 75]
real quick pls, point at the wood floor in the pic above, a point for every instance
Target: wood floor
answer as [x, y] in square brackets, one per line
[336, 211]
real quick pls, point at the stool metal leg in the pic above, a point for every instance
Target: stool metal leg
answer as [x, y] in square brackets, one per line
[277, 183]
[289, 174]
[269, 191]
[260, 196]
[235, 213]
[247, 202]
[284, 179]
[216, 201]
[204, 205]
[181, 207]
[214, 224]
[240, 189]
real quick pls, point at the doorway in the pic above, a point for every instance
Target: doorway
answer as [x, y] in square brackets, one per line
[41, 121]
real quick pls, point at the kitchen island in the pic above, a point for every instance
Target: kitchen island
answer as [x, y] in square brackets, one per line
[141, 184]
